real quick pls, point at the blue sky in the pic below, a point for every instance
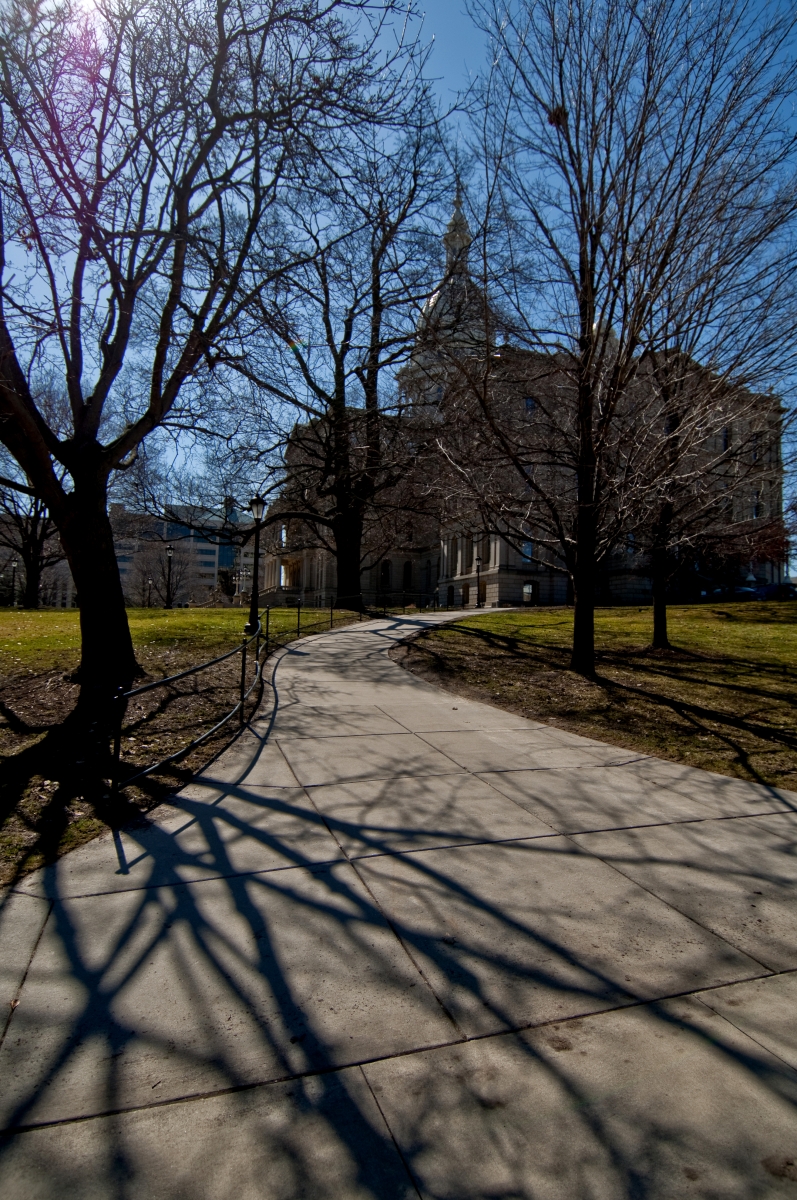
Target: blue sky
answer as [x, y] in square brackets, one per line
[458, 50]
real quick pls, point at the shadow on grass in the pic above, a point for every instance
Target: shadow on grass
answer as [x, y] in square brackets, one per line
[754, 716]
[75, 802]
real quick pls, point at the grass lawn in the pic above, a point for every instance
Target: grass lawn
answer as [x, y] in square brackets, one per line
[49, 639]
[44, 808]
[724, 698]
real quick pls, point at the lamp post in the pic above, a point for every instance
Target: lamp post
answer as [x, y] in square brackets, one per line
[478, 581]
[149, 593]
[14, 565]
[169, 553]
[257, 507]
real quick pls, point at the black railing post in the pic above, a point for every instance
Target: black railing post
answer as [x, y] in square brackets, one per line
[268, 615]
[243, 681]
[298, 618]
[331, 612]
[118, 716]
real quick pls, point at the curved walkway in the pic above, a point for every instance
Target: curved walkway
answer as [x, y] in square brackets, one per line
[394, 944]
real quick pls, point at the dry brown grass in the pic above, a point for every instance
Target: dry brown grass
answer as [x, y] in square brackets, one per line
[46, 807]
[45, 810]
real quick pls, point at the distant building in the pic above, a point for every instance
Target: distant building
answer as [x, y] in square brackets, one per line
[206, 568]
[446, 558]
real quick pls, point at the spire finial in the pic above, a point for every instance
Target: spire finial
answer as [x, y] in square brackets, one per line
[457, 237]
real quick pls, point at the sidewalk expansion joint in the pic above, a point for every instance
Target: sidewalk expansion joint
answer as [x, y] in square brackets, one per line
[319, 1072]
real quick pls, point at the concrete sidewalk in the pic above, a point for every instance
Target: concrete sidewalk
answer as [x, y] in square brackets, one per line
[395, 944]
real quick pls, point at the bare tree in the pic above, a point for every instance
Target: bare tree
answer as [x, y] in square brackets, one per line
[158, 577]
[143, 148]
[26, 529]
[711, 480]
[638, 161]
[348, 325]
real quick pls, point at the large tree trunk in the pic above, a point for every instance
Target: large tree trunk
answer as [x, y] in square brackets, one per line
[659, 575]
[33, 574]
[582, 658]
[348, 532]
[107, 660]
[658, 567]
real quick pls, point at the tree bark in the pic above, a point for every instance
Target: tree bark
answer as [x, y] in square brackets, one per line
[582, 658]
[30, 595]
[107, 661]
[347, 529]
[659, 576]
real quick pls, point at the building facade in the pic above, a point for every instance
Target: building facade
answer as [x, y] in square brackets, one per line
[452, 562]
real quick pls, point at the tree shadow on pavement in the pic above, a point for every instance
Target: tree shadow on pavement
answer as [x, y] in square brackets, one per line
[461, 1018]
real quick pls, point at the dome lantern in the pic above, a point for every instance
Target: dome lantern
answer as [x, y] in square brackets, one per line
[457, 237]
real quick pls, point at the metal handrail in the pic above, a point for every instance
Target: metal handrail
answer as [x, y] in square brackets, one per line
[202, 737]
[270, 644]
[148, 687]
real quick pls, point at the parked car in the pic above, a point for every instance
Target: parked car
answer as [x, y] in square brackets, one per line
[776, 591]
[735, 593]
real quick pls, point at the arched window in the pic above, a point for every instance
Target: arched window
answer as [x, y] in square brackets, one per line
[406, 579]
[450, 596]
[465, 595]
[384, 575]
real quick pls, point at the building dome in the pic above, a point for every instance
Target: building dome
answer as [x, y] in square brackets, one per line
[455, 313]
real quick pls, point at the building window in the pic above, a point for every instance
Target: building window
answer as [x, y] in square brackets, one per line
[384, 575]
[527, 551]
[407, 577]
[465, 595]
[758, 508]
[530, 404]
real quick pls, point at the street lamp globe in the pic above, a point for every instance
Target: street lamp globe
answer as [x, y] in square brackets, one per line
[257, 506]
[169, 551]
